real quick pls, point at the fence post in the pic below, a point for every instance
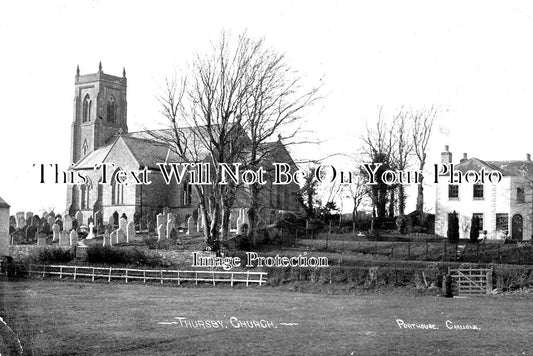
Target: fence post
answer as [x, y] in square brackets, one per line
[109, 276]
[489, 281]
[93, 275]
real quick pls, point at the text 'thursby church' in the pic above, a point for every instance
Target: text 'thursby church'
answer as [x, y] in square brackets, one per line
[100, 135]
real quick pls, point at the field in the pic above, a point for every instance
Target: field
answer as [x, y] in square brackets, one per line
[76, 318]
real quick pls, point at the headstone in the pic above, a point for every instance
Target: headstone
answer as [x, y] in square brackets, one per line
[79, 217]
[98, 218]
[170, 227]
[120, 236]
[73, 238]
[90, 220]
[130, 231]
[64, 238]
[13, 221]
[160, 232]
[199, 225]
[51, 220]
[151, 226]
[41, 240]
[55, 232]
[75, 224]
[46, 228]
[67, 223]
[122, 224]
[107, 239]
[29, 216]
[190, 225]
[59, 222]
[111, 221]
[161, 220]
[36, 221]
[21, 221]
[90, 236]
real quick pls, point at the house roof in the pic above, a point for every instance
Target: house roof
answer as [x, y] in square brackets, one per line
[507, 168]
[3, 203]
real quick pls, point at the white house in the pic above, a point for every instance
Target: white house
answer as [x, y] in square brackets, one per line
[504, 205]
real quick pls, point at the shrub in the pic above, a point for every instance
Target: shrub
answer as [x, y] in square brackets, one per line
[453, 228]
[51, 255]
[474, 229]
[121, 256]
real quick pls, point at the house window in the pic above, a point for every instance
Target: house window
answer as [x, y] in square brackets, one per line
[502, 222]
[453, 191]
[478, 191]
[86, 109]
[480, 217]
[520, 195]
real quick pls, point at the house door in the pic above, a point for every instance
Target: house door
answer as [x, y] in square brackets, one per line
[517, 228]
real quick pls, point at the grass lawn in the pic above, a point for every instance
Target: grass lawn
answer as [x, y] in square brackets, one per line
[64, 317]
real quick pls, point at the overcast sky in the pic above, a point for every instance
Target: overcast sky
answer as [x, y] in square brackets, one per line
[473, 60]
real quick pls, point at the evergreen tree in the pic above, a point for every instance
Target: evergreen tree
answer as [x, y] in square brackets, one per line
[474, 229]
[453, 228]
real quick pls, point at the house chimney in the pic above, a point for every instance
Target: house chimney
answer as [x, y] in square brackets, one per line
[528, 157]
[446, 156]
[465, 158]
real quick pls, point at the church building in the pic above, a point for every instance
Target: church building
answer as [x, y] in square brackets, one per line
[100, 135]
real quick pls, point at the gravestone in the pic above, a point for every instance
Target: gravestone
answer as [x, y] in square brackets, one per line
[160, 232]
[122, 224]
[13, 221]
[73, 238]
[107, 239]
[98, 218]
[90, 236]
[36, 221]
[130, 231]
[21, 221]
[59, 222]
[75, 224]
[113, 238]
[111, 221]
[170, 228]
[120, 236]
[41, 239]
[51, 220]
[151, 226]
[199, 225]
[79, 218]
[161, 220]
[46, 228]
[64, 238]
[29, 216]
[67, 223]
[190, 225]
[55, 232]
[90, 220]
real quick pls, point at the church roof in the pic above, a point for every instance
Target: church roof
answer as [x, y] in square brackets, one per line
[3, 203]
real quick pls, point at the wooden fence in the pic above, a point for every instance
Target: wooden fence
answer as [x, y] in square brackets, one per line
[128, 274]
[471, 280]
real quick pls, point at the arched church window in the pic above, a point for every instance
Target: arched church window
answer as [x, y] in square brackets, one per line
[117, 192]
[187, 193]
[84, 195]
[86, 109]
[111, 109]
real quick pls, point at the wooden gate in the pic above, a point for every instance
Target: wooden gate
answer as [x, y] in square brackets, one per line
[471, 281]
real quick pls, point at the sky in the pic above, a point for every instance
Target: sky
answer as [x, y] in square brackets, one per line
[472, 60]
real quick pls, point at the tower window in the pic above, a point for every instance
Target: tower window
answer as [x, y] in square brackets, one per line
[85, 148]
[111, 109]
[520, 195]
[117, 192]
[86, 109]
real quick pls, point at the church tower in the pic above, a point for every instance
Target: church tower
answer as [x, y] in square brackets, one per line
[100, 111]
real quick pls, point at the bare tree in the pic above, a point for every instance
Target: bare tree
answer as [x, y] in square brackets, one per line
[402, 151]
[378, 148]
[234, 100]
[422, 120]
